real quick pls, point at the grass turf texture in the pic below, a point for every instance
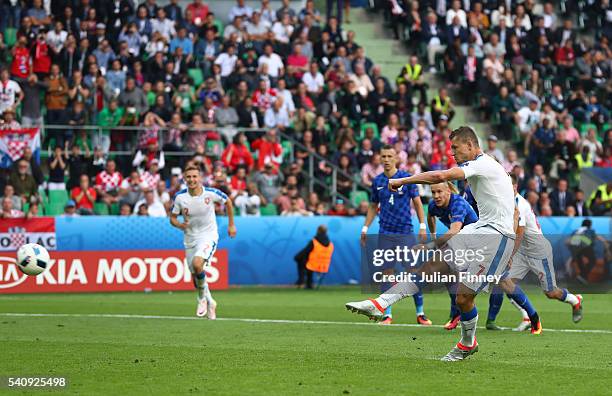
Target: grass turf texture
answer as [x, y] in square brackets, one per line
[159, 356]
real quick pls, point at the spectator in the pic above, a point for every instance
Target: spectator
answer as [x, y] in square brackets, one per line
[154, 207]
[108, 118]
[8, 212]
[84, 196]
[9, 192]
[57, 169]
[70, 209]
[492, 149]
[31, 115]
[295, 210]
[371, 169]
[339, 209]
[561, 198]
[237, 154]
[108, 182]
[268, 182]
[269, 151]
[23, 182]
[12, 93]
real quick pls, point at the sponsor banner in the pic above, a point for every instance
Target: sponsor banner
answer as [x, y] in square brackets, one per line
[104, 271]
[17, 232]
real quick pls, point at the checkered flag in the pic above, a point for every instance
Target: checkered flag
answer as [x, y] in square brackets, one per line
[18, 236]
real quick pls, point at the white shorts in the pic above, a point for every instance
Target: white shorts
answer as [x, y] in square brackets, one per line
[542, 268]
[480, 251]
[205, 249]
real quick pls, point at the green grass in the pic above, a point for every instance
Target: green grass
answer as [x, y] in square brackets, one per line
[172, 356]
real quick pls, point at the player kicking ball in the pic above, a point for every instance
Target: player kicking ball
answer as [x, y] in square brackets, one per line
[393, 208]
[492, 189]
[535, 254]
[197, 205]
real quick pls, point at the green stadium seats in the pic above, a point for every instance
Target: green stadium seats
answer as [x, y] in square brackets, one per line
[10, 36]
[287, 149]
[196, 75]
[54, 209]
[100, 208]
[114, 210]
[269, 210]
[58, 196]
[214, 147]
[367, 125]
[357, 197]
[584, 128]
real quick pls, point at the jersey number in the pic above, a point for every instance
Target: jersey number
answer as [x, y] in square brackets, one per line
[391, 201]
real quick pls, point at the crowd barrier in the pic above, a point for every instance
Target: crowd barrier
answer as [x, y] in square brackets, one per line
[110, 253]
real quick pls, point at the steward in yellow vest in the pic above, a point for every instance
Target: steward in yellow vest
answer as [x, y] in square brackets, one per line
[315, 257]
[604, 201]
[411, 76]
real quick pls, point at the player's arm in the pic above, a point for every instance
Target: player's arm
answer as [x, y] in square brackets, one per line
[231, 227]
[520, 222]
[431, 222]
[431, 177]
[418, 207]
[370, 216]
[453, 229]
[176, 223]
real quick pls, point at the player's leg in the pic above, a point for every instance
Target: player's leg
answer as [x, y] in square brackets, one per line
[375, 308]
[202, 259]
[496, 300]
[525, 323]
[467, 344]
[420, 313]
[196, 265]
[545, 271]
[384, 287]
[517, 294]
[455, 314]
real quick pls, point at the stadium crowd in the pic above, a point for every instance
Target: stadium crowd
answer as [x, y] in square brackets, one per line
[193, 81]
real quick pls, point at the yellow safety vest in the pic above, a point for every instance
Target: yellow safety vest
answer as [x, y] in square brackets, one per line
[320, 257]
[582, 163]
[439, 105]
[413, 73]
[605, 195]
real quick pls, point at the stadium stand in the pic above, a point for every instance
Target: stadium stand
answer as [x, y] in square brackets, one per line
[282, 106]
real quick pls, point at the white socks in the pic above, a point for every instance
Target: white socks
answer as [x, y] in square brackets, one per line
[397, 292]
[571, 299]
[468, 332]
[521, 310]
[203, 290]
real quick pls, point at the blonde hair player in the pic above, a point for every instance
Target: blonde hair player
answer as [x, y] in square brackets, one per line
[196, 204]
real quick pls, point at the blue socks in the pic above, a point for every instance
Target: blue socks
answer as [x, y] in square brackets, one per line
[452, 293]
[495, 303]
[521, 299]
[418, 303]
[465, 316]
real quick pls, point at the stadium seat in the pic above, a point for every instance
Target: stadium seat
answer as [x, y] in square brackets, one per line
[269, 210]
[54, 209]
[584, 128]
[58, 197]
[214, 147]
[10, 36]
[100, 208]
[369, 125]
[114, 209]
[287, 149]
[196, 75]
[357, 197]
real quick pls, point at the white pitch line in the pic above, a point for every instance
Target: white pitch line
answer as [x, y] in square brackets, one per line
[250, 320]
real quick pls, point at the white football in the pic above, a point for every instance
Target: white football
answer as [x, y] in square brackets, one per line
[32, 259]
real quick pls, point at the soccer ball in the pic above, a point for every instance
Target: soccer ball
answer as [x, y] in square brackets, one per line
[32, 259]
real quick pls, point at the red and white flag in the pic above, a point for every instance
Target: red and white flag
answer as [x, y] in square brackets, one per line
[14, 141]
[17, 232]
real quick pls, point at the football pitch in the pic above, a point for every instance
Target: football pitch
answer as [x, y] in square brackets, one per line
[287, 341]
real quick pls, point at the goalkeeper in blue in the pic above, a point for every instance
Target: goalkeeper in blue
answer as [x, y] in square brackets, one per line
[395, 220]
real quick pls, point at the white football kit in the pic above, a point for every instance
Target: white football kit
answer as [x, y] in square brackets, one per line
[535, 253]
[491, 238]
[201, 235]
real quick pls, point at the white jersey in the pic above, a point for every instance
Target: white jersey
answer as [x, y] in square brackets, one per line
[493, 192]
[200, 211]
[534, 243]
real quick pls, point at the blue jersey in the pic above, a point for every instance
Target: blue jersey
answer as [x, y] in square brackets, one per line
[458, 209]
[469, 197]
[394, 216]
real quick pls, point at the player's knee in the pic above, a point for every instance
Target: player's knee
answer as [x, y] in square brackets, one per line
[198, 264]
[464, 301]
[507, 285]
